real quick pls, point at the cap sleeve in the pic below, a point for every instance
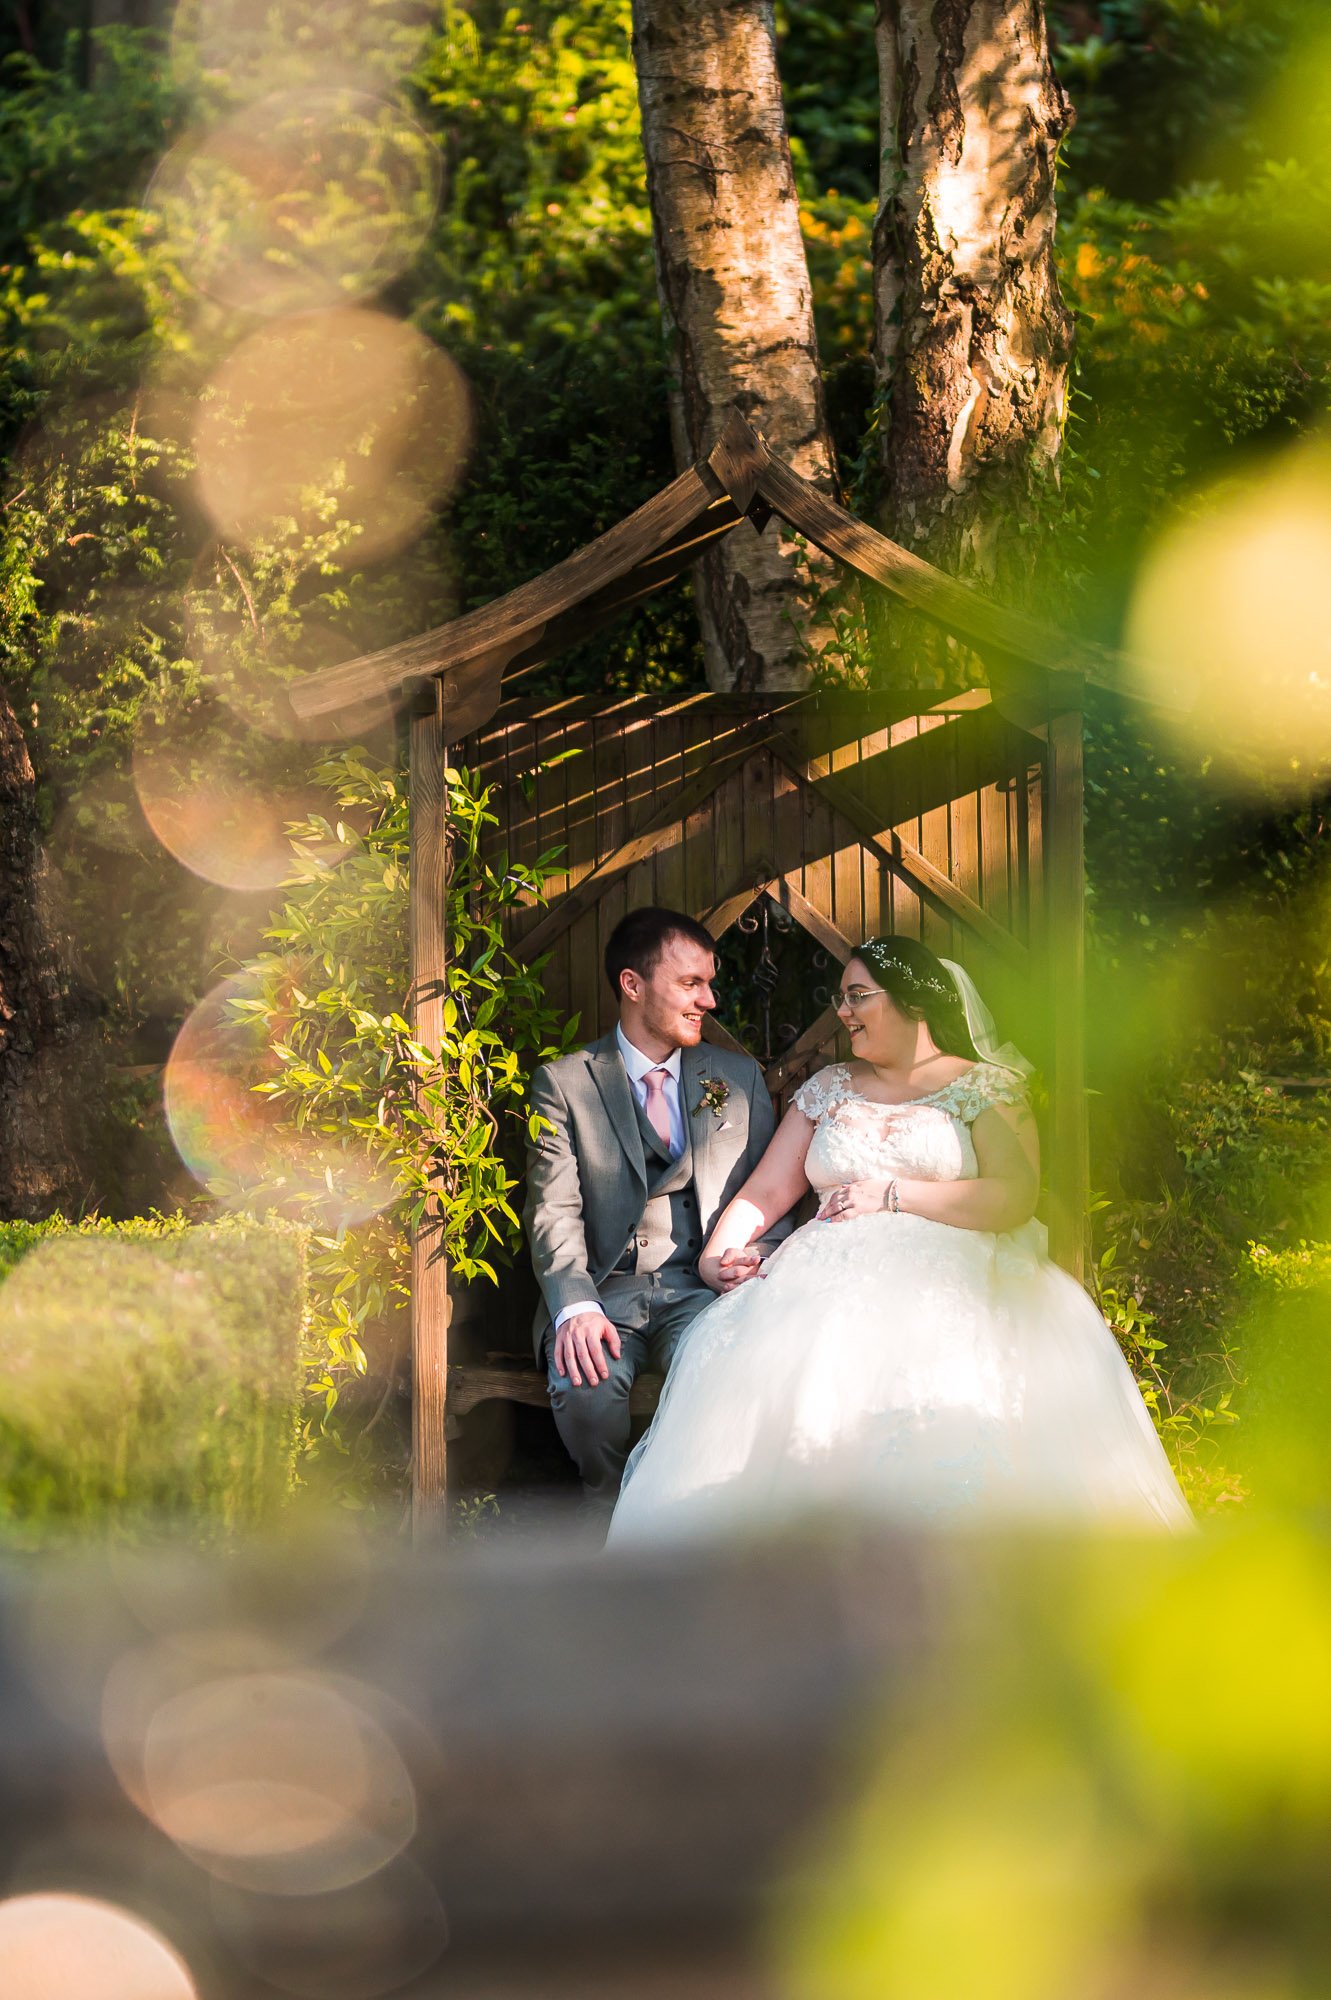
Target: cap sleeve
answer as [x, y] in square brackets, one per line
[830, 1087]
[991, 1083]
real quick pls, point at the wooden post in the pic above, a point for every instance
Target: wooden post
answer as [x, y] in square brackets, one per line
[1065, 901]
[429, 1271]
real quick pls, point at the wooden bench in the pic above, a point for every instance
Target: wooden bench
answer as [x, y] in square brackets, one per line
[509, 1380]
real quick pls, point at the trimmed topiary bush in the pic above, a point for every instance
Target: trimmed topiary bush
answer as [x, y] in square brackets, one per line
[149, 1376]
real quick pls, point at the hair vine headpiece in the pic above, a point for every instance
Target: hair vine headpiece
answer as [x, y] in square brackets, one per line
[879, 953]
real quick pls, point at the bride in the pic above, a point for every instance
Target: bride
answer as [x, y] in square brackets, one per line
[911, 1351]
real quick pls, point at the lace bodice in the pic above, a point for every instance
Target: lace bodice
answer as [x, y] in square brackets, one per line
[928, 1139]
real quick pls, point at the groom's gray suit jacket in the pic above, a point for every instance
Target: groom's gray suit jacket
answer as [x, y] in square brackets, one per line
[591, 1178]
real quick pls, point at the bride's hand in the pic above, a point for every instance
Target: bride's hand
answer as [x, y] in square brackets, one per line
[852, 1198]
[731, 1268]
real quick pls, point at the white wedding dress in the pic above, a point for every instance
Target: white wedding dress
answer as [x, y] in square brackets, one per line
[899, 1367]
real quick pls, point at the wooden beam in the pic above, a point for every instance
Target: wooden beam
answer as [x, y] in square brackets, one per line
[514, 621]
[738, 458]
[814, 1037]
[429, 1270]
[828, 935]
[893, 852]
[1065, 877]
[754, 879]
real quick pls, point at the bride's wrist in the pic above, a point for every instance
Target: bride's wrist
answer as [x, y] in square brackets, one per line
[892, 1197]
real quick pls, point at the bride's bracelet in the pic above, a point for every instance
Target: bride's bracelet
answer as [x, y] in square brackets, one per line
[892, 1199]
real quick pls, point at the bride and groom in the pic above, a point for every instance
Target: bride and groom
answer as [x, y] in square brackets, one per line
[910, 1351]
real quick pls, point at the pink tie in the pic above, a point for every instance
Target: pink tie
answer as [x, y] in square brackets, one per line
[658, 1111]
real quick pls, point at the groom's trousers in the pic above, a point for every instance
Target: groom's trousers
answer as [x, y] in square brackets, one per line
[652, 1313]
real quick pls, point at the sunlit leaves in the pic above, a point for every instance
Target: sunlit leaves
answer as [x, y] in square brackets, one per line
[350, 1067]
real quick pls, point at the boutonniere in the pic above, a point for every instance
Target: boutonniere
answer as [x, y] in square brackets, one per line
[715, 1096]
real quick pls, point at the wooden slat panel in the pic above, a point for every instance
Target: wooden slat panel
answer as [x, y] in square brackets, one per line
[731, 873]
[964, 833]
[604, 823]
[905, 738]
[668, 857]
[935, 826]
[820, 838]
[848, 867]
[795, 840]
[935, 888]
[996, 851]
[653, 749]
[657, 830]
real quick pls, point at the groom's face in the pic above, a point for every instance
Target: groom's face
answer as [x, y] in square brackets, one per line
[668, 1003]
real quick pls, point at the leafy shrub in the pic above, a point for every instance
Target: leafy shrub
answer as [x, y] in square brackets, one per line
[345, 1066]
[149, 1375]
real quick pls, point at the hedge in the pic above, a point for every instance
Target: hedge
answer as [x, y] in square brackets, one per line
[149, 1376]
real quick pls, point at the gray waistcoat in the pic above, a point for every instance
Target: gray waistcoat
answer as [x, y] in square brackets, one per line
[670, 1232]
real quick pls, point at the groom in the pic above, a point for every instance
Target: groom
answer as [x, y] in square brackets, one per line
[648, 1137]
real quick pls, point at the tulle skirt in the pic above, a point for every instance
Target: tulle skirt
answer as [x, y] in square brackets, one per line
[900, 1367]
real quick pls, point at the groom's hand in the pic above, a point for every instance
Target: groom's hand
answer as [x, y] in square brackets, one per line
[578, 1346]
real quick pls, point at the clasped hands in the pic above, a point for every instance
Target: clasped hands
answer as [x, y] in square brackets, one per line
[580, 1340]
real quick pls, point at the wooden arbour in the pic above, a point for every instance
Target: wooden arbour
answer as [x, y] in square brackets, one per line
[1022, 737]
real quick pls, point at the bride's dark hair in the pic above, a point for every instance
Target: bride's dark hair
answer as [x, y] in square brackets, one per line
[923, 990]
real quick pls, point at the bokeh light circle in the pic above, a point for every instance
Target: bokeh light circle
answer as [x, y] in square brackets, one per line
[305, 199]
[345, 426]
[252, 46]
[63, 1947]
[233, 1140]
[216, 824]
[279, 1781]
[1228, 618]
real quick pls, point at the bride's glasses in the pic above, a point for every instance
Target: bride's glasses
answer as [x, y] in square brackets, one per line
[855, 996]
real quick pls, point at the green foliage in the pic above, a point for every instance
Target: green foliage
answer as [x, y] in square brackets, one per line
[1158, 84]
[545, 236]
[829, 80]
[67, 138]
[148, 1376]
[329, 999]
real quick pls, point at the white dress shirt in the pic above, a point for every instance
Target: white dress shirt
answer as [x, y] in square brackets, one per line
[637, 1065]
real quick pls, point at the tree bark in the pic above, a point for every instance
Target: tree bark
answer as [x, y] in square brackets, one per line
[738, 306]
[38, 1170]
[972, 339]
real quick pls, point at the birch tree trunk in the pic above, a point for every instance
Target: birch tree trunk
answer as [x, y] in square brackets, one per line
[38, 1172]
[972, 340]
[735, 293]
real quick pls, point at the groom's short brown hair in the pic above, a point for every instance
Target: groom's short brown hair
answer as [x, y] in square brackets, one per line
[638, 939]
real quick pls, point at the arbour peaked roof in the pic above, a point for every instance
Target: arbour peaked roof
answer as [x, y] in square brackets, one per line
[741, 479]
